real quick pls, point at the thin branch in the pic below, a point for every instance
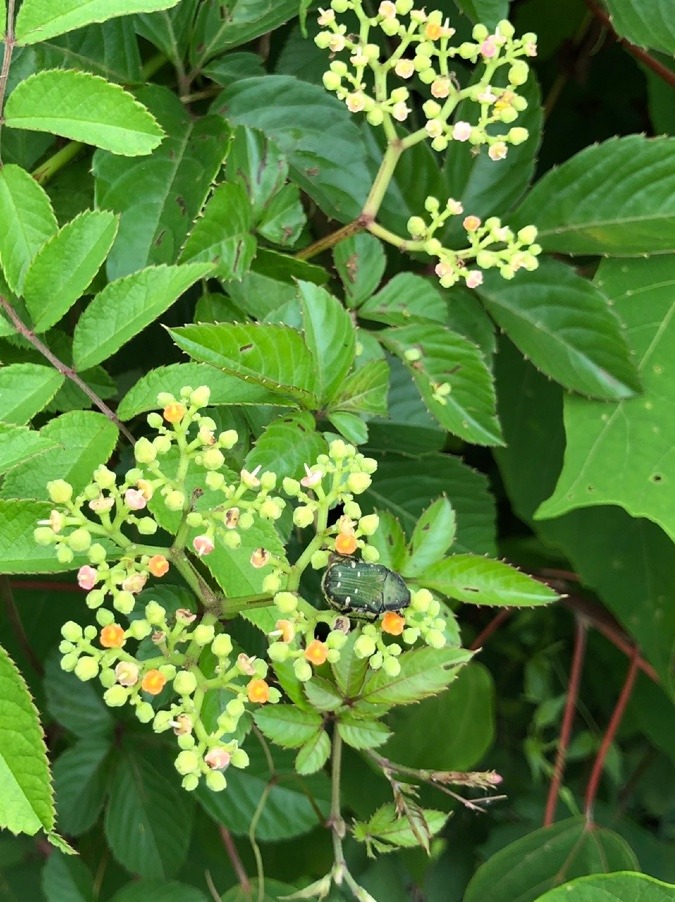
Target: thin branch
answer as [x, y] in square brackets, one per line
[17, 626]
[492, 626]
[67, 371]
[568, 719]
[610, 733]
[650, 62]
[235, 860]
[9, 42]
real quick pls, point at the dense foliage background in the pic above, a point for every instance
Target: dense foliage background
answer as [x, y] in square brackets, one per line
[554, 443]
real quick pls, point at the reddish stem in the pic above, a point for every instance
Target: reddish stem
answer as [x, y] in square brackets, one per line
[492, 626]
[578, 655]
[610, 733]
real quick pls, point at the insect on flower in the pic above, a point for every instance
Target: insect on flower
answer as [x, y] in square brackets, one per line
[363, 590]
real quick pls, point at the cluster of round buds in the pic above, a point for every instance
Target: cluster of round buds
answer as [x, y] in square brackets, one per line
[418, 622]
[294, 636]
[128, 679]
[423, 50]
[490, 245]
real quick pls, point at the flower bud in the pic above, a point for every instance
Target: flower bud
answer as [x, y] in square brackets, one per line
[302, 670]
[185, 682]
[368, 525]
[215, 780]
[221, 645]
[44, 535]
[187, 762]
[231, 540]
[303, 516]
[517, 135]
[200, 396]
[174, 500]
[527, 235]
[116, 696]
[364, 646]
[86, 668]
[144, 451]
[358, 482]
[518, 73]
[60, 491]
[203, 634]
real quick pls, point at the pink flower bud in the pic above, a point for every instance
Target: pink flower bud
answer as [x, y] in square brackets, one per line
[218, 758]
[313, 477]
[203, 545]
[134, 499]
[488, 48]
[87, 577]
[461, 131]
[474, 278]
[135, 582]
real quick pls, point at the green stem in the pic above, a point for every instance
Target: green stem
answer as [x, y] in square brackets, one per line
[10, 42]
[336, 821]
[324, 244]
[403, 244]
[384, 176]
[47, 170]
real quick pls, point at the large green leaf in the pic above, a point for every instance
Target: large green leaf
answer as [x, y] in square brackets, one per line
[616, 198]
[225, 389]
[330, 336]
[546, 858]
[26, 801]
[222, 235]
[286, 725]
[159, 891]
[424, 672]
[126, 306]
[648, 23]
[623, 886]
[81, 778]
[405, 494]
[288, 444]
[405, 298]
[487, 11]
[83, 107]
[293, 806]
[246, 20]
[467, 705]
[64, 267]
[39, 20]
[169, 30]
[109, 49]
[314, 130]
[83, 440]
[273, 356]
[566, 327]
[448, 359]
[18, 551]
[621, 453]
[159, 196]
[360, 261]
[148, 819]
[365, 390]
[19, 443]
[25, 389]
[26, 222]
[478, 580]
[66, 878]
[433, 534]
[628, 562]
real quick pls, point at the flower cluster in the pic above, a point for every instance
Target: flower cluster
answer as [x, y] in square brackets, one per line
[490, 245]
[423, 49]
[178, 643]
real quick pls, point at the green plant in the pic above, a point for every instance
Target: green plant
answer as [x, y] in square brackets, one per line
[283, 637]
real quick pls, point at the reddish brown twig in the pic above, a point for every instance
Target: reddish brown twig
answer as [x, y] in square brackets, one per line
[492, 626]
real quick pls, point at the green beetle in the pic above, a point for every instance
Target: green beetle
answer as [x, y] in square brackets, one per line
[363, 590]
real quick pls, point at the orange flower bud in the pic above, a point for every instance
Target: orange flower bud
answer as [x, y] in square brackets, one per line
[286, 629]
[393, 623]
[345, 543]
[174, 413]
[316, 652]
[158, 565]
[153, 682]
[112, 636]
[258, 691]
[433, 31]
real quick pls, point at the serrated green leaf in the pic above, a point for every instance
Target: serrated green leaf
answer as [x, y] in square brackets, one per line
[365, 390]
[294, 805]
[490, 12]
[83, 107]
[405, 298]
[424, 672]
[125, 307]
[323, 695]
[39, 20]
[83, 440]
[257, 164]
[623, 886]
[66, 878]
[222, 235]
[362, 734]
[273, 356]
[546, 858]
[286, 445]
[26, 801]
[314, 131]
[446, 358]
[434, 533]
[313, 754]
[393, 832]
[648, 23]
[351, 426]
[360, 261]
[109, 49]
[349, 671]
[225, 389]
[390, 541]
[81, 779]
[286, 725]
[479, 580]
[284, 217]
[148, 819]
[329, 335]
[18, 551]
[160, 195]
[25, 389]
[19, 443]
[169, 30]
[159, 891]
[468, 705]
[65, 265]
[248, 19]
[615, 198]
[565, 325]
[406, 495]
[25, 205]
[632, 437]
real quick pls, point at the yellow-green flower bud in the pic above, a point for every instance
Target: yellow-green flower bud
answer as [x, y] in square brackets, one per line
[154, 420]
[203, 634]
[174, 500]
[505, 28]
[190, 782]
[185, 682]
[96, 553]
[270, 509]
[155, 613]
[221, 645]
[162, 444]
[358, 482]
[435, 638]
[69, 662]
[162, 721]
[80, 539]
[187, 762]
[364, 646]
[116, 696]
[416, 226]
[331, 80]
[139, 629]
[375, 116]
[235, 707]
[271, 583]
[527, 234]
[44, 535]
[517, 135]
[71, 631]
[185, 741]
[239, 758]
[278, 652]
[60, 491]
[215, 780]
[145, 712]
[479, 32]
[370, 554]
[303, 516]
[319, 560]
[467, 50]
[369, 524]
[286, 602]
[290, 486]
[86, 668]
[231, 539]
[212, 459]
[302, 670]
[433, 247]
[518, 73]
[144, 451]
[200, 396]
[391, 666]
[123, 602]
[338, 449]
[64, 555]
[104, 478]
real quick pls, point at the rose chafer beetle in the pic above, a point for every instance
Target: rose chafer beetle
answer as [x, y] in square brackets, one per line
[363, 590]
